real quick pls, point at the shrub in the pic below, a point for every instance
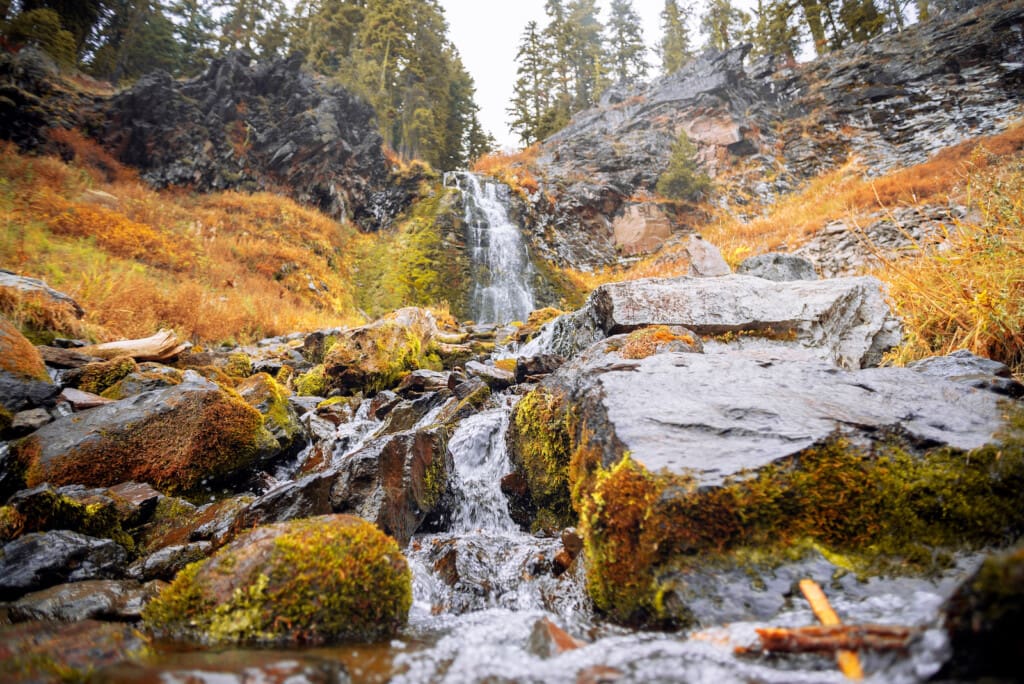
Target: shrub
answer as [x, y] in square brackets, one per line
[683, 179]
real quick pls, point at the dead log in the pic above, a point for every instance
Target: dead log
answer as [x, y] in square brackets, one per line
[847, 660]
[162, 346]
[833, 638]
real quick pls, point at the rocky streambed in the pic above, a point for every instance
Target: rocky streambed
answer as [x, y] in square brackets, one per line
[627, 492]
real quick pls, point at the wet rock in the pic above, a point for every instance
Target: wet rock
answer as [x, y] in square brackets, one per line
[423, 380]
[382, 403]
[167, 562]
[149, 376]
[964, 367]
[985, 621]
[374, 357]
[34, 651]
[470, 397]
[531, 368]
[548, 640]
[89, 511]
[846, 321]
[230, 667]
[317, 141]
[174, 438]
[317, 580]
[97, 377]
[43, 559]
[176, 522]
[24, 382]
[779, 267]
[516, 489]
[91, 599]
[496, 378]
[136, 502]
[301, 498]
[407, 414]
[279, 418]
[396, 481]
[80, 400]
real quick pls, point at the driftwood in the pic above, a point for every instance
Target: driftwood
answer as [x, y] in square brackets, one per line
[847, 660]
[836, 638]
[159, 347]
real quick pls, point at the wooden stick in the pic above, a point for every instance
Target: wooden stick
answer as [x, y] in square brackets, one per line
[835, 638]
[162, 346]
[848, 661]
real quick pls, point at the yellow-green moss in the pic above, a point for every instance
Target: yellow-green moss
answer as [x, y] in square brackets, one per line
[541, 437]
[883, 508]
[435, 483]
[263, 393]
[12, 523]
[649, 340]
[312, 383]
[18, 356]
[318, 580]
[377, 357]
[6, 419]
[147, 379]
[99, 376]
[528, 330]
[238, 365]
[49, 510]
[284, 376]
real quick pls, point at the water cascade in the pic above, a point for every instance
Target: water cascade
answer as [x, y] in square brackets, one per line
[500, 261]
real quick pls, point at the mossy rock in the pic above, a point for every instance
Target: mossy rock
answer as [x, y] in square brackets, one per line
[312, 383]
[90, 512]
[376, 356]
[100, 376]
[263, 393]
[176, 439]
[24, 382]
[150, 376]
[12, 523]
[319, 580]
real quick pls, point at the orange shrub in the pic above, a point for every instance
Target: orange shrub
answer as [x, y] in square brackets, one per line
[89, 154]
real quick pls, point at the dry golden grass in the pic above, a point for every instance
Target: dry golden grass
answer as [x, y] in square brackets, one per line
[514, 169]
[214, 267]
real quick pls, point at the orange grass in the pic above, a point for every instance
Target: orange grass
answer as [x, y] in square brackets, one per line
[225, 266]
[515, 169]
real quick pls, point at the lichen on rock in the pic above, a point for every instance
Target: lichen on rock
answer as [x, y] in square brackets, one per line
[312, 581]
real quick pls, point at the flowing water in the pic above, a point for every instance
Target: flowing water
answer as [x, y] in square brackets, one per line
[500, 261]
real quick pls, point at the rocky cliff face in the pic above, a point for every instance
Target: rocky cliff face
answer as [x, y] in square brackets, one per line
[892, 102]
[255, 127]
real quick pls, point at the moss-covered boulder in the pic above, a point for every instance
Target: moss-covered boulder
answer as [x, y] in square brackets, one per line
[678, 465]
[89, 511]
[175, 438]
[985, 620]
[279, 417]
[318, 580]
[376, 356]
[98, 377]
[149, 376]
[24, 382]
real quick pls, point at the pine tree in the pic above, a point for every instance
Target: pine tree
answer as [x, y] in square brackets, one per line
[325, 30]
[195, 33]
[530, 98]
[775, 30]
[259, 26]
[42, 27]
[627, 52]
[587, 54]
[82, 18]
[861, 21]
[723, 23]
[812, 11]
[136, 38]
[674, 48]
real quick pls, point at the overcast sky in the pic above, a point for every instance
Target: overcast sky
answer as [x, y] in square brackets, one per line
[487, 33]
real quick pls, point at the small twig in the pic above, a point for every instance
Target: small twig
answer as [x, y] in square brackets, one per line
[848, 661]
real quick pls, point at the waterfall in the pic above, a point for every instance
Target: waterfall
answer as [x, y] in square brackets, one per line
[501, 264]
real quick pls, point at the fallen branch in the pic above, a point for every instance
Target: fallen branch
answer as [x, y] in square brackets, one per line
[832, 638]
[159, 347]
[847, 659]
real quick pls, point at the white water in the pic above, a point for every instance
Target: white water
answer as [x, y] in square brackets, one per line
[500, 260]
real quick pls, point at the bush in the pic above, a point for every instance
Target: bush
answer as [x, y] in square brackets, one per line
[683, 179]
[42, 27]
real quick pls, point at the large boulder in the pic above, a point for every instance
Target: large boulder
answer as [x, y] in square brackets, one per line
[318, 580]
[175, 438]
[396, 481]
[683, 463]
[845, 321]
[265, 395]
[374, 357]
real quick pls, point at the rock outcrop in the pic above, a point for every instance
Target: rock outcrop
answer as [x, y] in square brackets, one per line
[265, 126]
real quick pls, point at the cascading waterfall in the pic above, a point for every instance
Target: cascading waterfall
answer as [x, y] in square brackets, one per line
[501, 263]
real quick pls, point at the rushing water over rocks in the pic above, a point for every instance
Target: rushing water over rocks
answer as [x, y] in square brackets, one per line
[501, 262]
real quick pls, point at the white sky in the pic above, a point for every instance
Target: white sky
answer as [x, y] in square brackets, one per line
[487, 33]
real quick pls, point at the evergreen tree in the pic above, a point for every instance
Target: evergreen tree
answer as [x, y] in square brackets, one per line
[259, 26]
[42, 27]
[774, 30]
[627, 52]
[812, 11]
[587, 54]
[674, 48]
[81, 18]
[195, 33]
[136, 38]
[723, 23]
[860, 20]
[530, 93]
[325, 30]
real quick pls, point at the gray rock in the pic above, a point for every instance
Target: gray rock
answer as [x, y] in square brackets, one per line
[91, 599]
[43, 559]
[33, 287]
[395, 481]
[846, 321]
[970, 369]
[305, 497]
[706, 260]
[496, 378]
[28, 421]
[165, 563]
[80, 400]
[714, 415]
[779, 267]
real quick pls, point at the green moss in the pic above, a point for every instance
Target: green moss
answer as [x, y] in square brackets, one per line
[12, 523]
[238, 365]
[318, 580]
[435, 483]
[98, 377]
[541, 437]
[263, 393]
[284, 376]
[872, 509]
[47, 509]
[312, 383]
